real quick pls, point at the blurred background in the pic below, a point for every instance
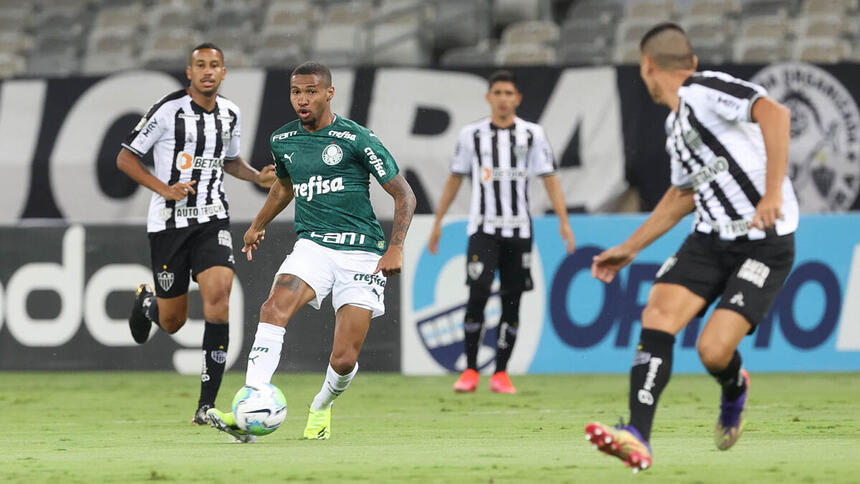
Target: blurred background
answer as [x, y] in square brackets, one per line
[76, 75]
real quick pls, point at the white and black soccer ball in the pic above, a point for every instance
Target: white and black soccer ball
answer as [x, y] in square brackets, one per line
[259, 409]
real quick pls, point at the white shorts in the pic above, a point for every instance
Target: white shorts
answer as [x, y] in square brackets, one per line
[346, 274]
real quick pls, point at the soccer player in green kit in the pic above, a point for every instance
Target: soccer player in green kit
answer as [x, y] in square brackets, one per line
[324, 163]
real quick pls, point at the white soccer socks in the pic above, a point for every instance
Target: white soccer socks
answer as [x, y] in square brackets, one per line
[265, 354]
[332, 387]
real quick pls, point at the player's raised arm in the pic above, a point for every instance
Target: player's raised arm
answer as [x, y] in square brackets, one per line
[452, 186]
[280, 196]
[774, 119]
[675, 204]
[404, 206]
[240, 168]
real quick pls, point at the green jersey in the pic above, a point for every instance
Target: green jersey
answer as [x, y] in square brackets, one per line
[329, 170]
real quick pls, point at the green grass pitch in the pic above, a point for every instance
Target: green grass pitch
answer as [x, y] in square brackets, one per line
[134, 427]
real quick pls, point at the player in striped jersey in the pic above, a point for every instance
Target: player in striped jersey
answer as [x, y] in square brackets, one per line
[500, 153]
[194, 136]
[728, 145]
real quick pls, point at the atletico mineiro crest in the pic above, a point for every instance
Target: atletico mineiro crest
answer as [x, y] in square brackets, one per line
[165, 280]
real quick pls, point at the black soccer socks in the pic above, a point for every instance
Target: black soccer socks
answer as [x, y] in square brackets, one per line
[215, 341]
[474, 323]
[508, 326]
[649, 375]
[730, 378]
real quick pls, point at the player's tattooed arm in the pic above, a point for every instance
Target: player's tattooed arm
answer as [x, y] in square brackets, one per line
[404, 207]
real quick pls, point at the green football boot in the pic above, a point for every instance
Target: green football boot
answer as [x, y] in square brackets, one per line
[319, 424]
[225, 422]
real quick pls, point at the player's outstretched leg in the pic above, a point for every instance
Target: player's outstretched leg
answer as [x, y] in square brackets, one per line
[473, 332]
[319, 424]
[624, 442]
[730, 424]
[143, 313]
[509, 324]
[225, 422]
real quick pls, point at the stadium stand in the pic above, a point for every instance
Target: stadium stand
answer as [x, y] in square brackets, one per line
[58, 38]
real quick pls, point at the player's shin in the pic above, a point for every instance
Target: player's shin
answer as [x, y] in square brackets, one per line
[332, 387]
[508, 326]
[216, 338]
[731, 379]
[265, 354]
[652, 367]
[474, 323]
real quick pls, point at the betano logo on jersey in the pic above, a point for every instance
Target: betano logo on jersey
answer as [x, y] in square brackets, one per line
[317, 185]
[185, 161]
[503, 174]
[375, 161]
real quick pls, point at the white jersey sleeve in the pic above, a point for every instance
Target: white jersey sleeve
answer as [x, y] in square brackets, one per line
[541, 159]
[679, 176]
[729, 97]
[148, 131]
[461, 163]
[232, 151]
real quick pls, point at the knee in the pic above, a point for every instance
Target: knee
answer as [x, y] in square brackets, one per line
[216, 309]
[343, 363]
[713, 355]
[655, 316]
[272, 312]
[171, 323]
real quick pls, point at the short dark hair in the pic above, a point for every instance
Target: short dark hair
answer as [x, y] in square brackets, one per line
[206, 45]
[671, 53]
[313, 68]
[503, 76]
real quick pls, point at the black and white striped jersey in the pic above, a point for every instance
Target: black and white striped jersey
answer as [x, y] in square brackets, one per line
[188, 143]
[717, 150]
[500, 162]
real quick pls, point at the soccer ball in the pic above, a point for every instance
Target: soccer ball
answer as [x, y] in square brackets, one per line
[259, 409]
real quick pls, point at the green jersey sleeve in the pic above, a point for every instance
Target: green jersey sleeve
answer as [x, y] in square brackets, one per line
[378, 160]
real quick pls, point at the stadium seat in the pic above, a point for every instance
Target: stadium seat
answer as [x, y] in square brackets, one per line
[284, 36]
[284, 14]
[602, 11]
[531, 31]
[586, 30]
[237, 58]
[469, 56]
[339, 44]
[192, 4]
[760, 50]
[775, 27]
[173, 16]
[233, 15]
[110, 50]
[716, 8]
[349, 12]
[626, 53]
[14, 18]
[398, 44]
[589, 53]
[119, 17]
[525, 55]
[168, 49]
[822, 50]
[828, 7]
[755, 8]
[650, 9]
[283, 57]
[632, 29]
[508, 11]
[237, 38]
[11, 65]
[710, 37]
[461, 23]
[57, 63]
[15, 42]
[811, 26]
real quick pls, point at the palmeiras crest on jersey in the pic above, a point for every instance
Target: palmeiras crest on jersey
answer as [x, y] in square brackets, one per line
[332, 154]
[824, 153]
[165, 280]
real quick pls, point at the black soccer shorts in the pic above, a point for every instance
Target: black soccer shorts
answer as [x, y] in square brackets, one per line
[510, 255]
[180, 253]
[745, 275]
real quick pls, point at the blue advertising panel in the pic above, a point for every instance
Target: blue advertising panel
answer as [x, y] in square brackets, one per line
[591, 327]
